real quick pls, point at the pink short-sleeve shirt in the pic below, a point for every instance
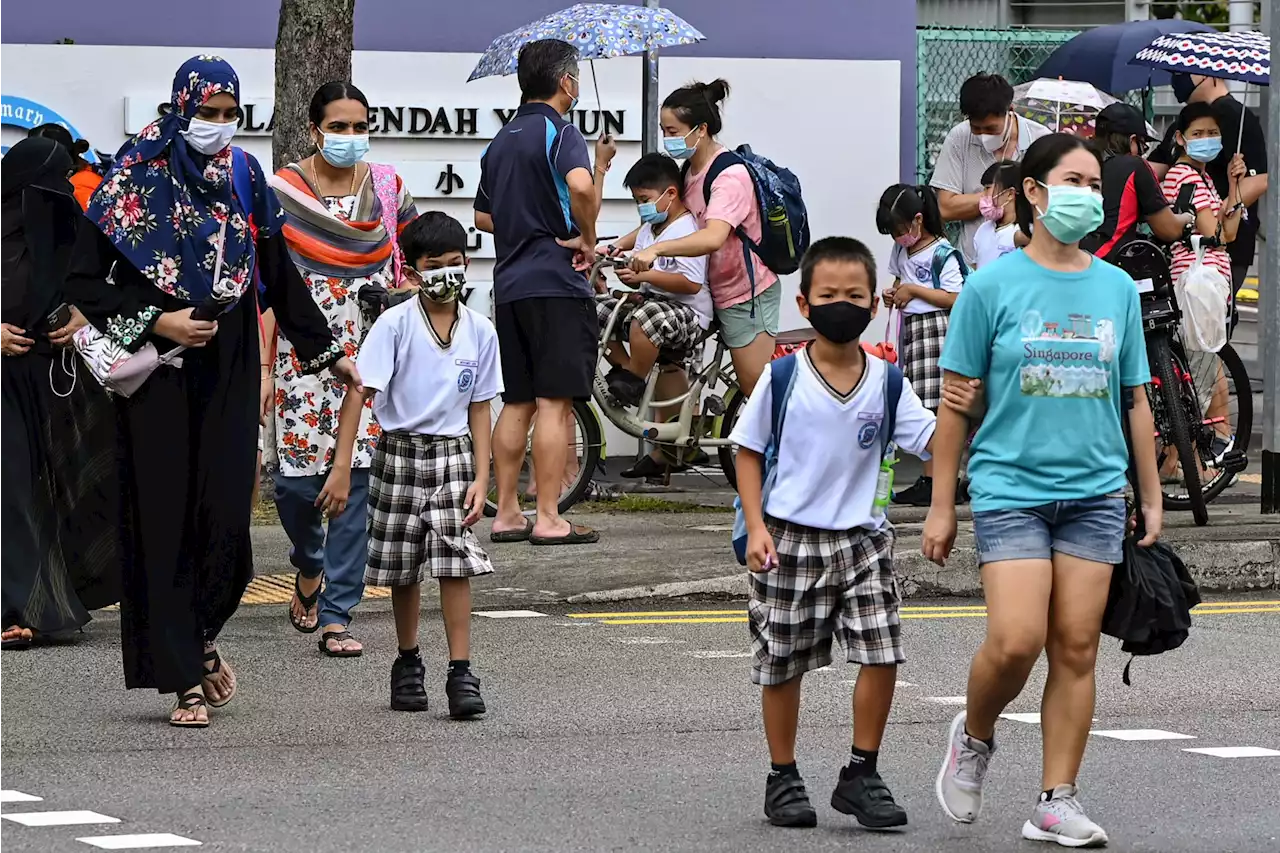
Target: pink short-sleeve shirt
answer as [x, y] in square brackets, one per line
[733, 200]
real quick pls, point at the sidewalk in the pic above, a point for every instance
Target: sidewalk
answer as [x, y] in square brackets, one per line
[668, 554]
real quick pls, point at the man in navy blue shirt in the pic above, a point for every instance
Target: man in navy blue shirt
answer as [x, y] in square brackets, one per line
[538, 199]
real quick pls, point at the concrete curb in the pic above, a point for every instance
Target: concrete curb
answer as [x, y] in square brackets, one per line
[1216, 566]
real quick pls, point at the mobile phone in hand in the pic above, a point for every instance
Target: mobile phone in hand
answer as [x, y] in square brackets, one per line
[59, 317]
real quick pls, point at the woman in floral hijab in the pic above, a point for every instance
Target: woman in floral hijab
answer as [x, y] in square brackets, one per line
[176, 237]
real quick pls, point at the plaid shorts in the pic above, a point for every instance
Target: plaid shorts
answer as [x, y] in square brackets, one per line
[416, 489]
[828, 582]
[922, 339]
[669, 325]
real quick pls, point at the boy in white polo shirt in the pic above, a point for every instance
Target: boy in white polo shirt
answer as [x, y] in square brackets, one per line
[819, 548]
[433, 365]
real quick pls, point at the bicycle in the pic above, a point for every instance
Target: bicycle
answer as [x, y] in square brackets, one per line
[1196, 432]
[708, 410]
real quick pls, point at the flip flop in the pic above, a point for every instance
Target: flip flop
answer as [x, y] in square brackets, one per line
[577, 535]
[307, 602]
[17, 644]
[523, 535]
[339, 636]
[189, 702]
[216, 659]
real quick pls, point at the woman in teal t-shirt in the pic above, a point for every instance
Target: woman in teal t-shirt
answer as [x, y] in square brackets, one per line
[1056, 336]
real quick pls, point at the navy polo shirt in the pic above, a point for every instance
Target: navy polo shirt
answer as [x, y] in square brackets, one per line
[523, 187]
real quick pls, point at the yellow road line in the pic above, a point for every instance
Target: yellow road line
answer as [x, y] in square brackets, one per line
[739, 611]
[680, 621]
[695, 617]
[1199, 612]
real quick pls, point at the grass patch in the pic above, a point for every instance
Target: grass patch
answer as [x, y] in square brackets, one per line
[648, 503]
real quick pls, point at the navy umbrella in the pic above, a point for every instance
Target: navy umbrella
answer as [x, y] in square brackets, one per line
[1101, 56]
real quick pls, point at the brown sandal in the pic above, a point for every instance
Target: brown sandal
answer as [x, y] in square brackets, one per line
[216, 659]
[338, 637]
[189, 701]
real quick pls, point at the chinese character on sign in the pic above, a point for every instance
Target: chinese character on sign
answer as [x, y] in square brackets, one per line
[447, 177]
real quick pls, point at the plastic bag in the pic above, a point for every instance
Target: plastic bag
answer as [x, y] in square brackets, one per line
[1204, 295]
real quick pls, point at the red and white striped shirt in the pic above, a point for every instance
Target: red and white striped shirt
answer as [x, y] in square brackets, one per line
[1206, 196]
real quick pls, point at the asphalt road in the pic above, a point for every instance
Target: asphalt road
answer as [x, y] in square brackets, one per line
[630, 732]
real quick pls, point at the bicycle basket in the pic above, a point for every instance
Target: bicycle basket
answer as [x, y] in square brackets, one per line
[1145, 261]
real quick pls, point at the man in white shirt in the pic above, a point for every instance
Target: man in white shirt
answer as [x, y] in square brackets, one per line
[991, 132]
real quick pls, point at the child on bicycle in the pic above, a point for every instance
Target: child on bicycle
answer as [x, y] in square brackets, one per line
[928, 274]
[673, 306]
[995, 236]
[431, 366]
[819, 548]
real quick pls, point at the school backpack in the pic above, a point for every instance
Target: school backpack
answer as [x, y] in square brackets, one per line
[941, 254]
[782, 378]
[784, 221]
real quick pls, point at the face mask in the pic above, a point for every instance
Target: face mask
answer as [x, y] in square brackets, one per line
[907, 240]
[993, 142]
[573, 99]
[839, 322]
[209, 137]
[1183, 87]
[342, 151]
[650, 214]
[677, 147]
[443, 285]
[991, 210]
[1204, 150]
[1072, 212]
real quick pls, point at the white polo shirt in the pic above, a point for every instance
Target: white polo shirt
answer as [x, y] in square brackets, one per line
[830, 454]
[694, 269]
[917, 268]
[426, 386]
[991, 242]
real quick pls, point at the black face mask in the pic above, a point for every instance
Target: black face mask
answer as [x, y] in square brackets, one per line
[839, 322]
[1183, 87]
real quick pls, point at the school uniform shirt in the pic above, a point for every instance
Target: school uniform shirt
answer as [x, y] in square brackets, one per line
[830, 453]
[917, 268]
[1054, 349]
[992, 241]
[424, 385]
[694, 269]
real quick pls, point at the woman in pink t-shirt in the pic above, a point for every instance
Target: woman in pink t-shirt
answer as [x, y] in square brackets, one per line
[748, 316]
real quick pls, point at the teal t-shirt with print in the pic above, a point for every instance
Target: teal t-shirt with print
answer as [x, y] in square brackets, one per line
[1053, 350]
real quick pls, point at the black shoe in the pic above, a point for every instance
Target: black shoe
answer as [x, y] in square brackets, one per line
[919, 493]
[867, 798]
[645, 468]
[627, 388]
[408, 690]
[786, 803]
[463, 690]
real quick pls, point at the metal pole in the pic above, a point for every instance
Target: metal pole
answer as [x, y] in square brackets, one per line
[1269, 286]
[649, 99]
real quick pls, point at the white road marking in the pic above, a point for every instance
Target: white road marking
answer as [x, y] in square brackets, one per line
[18, 797]
[646, 641]
[1033, 718]
[717, 655]
[714, 528]
[1234, 751]
[948, 700]
[137, 842]
[903, 684]
[1142, 734]
[59, 818]
[507, 614]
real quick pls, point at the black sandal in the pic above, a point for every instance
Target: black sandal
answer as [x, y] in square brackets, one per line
[307, 602]
[189, 701]
[216, 659]
[339, 636]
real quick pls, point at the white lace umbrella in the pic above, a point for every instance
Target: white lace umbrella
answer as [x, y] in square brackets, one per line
[1065, 106]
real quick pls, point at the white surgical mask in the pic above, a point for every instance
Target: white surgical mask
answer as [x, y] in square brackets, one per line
[209, 137]
[993, 142]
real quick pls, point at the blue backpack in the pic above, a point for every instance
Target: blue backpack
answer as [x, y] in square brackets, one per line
[782, 377]
[784, 221]
[942, 253]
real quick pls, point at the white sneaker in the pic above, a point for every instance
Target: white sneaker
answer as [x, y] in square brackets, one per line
[1061, 819]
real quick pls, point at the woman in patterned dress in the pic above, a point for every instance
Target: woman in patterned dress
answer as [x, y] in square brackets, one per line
[342, 220]
[173, 236]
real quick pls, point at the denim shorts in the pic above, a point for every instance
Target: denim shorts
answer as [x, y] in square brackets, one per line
[1091, 529]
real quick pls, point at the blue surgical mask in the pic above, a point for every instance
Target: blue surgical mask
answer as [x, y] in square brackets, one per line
[650, 214]
[1072, 212]
[1204, 150]
[344, 150]
[678, 148]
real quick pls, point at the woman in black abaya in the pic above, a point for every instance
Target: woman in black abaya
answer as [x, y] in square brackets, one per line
[60, 494]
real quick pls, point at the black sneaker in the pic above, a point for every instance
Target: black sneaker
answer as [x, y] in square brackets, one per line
[919, 493]
[408, 690]
[786, 803]
[463, 690]
[627, 388]
[867, 798]
[647, 467]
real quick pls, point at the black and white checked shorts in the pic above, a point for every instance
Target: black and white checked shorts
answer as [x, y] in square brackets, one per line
[922, 339]
[417, 486]
[669, 325]
[828, 583]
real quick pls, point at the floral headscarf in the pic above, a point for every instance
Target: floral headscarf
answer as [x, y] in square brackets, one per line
[163, 203]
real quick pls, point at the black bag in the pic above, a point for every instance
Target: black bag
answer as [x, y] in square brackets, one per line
[1152, 593]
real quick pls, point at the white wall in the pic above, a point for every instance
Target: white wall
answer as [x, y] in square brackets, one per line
[833, 122]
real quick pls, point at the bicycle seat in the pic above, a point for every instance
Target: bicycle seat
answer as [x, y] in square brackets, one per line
[1145, 261]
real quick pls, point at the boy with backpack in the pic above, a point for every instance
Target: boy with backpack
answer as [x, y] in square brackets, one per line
[431, 366]
[817, 543]
[928, 275]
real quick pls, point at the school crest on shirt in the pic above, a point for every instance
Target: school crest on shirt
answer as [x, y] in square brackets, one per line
[467, 375]
[867, 434]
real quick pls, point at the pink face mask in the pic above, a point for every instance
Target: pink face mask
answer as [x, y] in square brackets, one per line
[989, 209]
[907, 240]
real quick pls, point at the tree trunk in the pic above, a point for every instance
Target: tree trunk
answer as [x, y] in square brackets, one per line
[313, 47]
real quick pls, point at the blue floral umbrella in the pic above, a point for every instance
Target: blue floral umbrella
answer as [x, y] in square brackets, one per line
[598, 30]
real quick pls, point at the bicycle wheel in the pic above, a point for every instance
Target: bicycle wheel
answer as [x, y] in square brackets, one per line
[584, 457]
[1175, 449]
[727, 452]
[1225, 400]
